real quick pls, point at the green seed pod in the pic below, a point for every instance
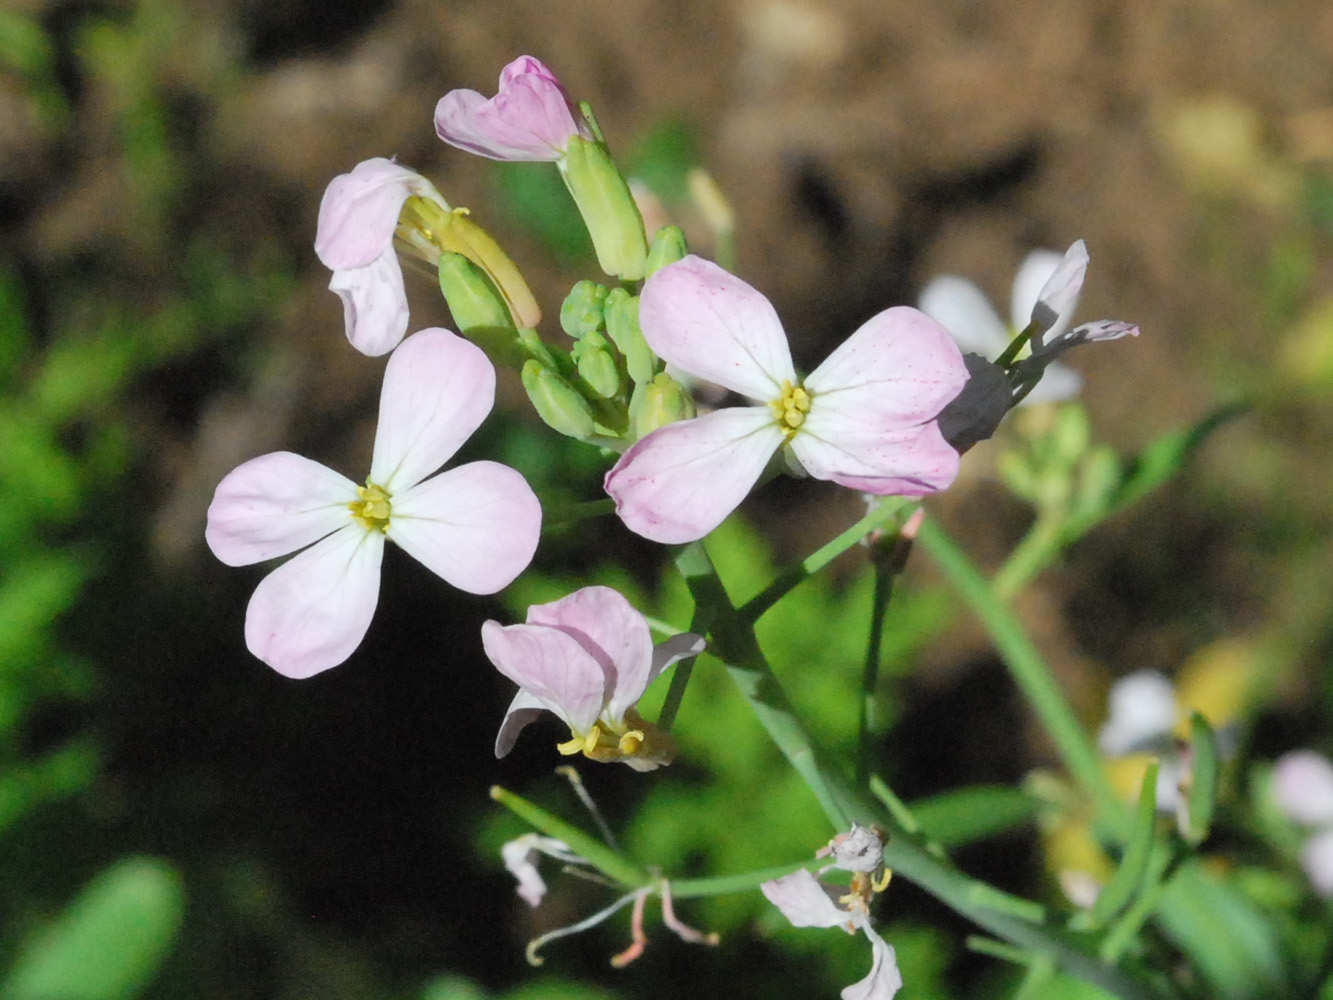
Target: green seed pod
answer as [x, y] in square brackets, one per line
[604, 200]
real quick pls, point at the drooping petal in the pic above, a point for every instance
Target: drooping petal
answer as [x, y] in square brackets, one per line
[714, 326]
[669, 651]
[374, 304]
[607, 626]
[962, 309]
[312, 612]
[681, 481]
[438, 388]
[552, 667]
[530, 118]
[1036, 269]
[520, 860]
[804, 902]
[359, 211]
[476, 526]
[1141, 714]
[884, 979]
[522, 712]
[275, 504]
[1317, 860]
[1058, 298]
[1303, 787]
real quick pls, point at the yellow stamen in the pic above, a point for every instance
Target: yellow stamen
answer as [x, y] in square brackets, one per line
[631, 741]
[790, 407]
[372, 510]
[882, 883]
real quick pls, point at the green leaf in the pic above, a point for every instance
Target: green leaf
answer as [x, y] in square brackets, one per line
[1164, 457]
[1203, 783]
[968, 814]
[1128, 878]
[109, 941]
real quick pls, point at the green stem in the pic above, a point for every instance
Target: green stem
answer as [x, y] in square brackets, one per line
[888, 556]
[721, 885]
[1028, 670]
[700, 623]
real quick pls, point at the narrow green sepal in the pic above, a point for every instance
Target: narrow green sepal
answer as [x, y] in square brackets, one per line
[604, 200]
[597, 365]
[658, 403]
[668, 247]
[622, 326]
[581, 312]
[1128, 878]
[557, 402]
[1198, 814]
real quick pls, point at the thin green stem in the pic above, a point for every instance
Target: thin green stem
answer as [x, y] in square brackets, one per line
[721, 885]
[888, 557]
[700, 623]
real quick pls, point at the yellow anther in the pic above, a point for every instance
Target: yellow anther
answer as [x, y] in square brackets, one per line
[882, 883]
[372, 510]
[570, 747]
[631, 741]
[790, 407]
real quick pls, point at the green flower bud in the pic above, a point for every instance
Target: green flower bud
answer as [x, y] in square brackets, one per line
[581, 312]
[668, 247]
[604, 200]
[597, 365]
[479, 311]
[557, 402]
[658, 403]
[622, 326]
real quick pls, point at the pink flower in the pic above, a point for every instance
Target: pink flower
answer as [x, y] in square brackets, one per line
[530, 119]
[476, 526]
[588, 658]
[357, 220]
[865, 418]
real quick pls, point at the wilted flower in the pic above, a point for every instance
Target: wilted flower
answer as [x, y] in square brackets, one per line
[807, 902]
[476, 526]
[1303, 788]
[588, 658]
[865, 418]
[519, 857]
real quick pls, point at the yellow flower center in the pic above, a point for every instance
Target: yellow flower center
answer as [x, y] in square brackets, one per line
[638, 741]
[790, 407]
[372, 510]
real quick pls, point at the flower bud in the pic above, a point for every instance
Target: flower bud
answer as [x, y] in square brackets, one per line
[604, 200]
[557, 402]
[461, 235]
[597, 365]
[479, 311]
[658, 403]
[622, 326]
[668, 247]
[581, 312]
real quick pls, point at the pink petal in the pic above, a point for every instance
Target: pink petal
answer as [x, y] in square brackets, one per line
[669, 651]
[476, 526]
[530, 119]
[438, 388]
[1036, 270]
[359, 211]
[714, 326]
[681, 481]
[601, 621]
[1059, 296]
[960, 307]
[1303, 787]
[552, 667]
[522, 712]
[805, 902]
[312, 612]
[275, 504]
[374, 304]
[884, 979]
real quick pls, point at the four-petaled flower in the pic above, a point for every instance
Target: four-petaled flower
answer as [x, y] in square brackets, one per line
[865, 418]
[357, 219]
[588, 658]
[531, 118]
[476, 526]
[1303, 788]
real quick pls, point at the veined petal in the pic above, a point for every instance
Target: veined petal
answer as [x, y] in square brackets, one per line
[359, 211]
[438, 388]
[714, 326]
[1058, 298]
[522, 712]
[605, 624]
[476, 526]
[961, 308]
[669, 651]
[1036, 269]
[1303, 787]
[900, 461]
[552, 667]
[805, 902]
[312, 612]
[530, 118]
[884, 980]
[374, 304]
[275, 504]
[682, 480]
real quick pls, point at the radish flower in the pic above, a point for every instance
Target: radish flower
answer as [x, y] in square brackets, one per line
[865, 418]
[476, 525]
[1303, 788]
[588, 658]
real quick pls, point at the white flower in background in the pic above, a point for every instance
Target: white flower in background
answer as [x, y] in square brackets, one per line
[1303, 788]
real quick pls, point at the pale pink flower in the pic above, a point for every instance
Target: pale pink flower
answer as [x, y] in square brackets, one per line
[865, 418]
[588, 658]
[476, 525]
[357, 219]
[531, 118]
[1303, 789]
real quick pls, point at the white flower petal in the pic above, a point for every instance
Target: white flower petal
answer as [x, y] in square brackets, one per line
[1317, 860]
[1303, 787]
[522, 712]
[962, 309]
[1036, 269]
[1142, 713]
[374, 304]
[552, 667]
[884, 979]
[1059, 296]
[805, 902]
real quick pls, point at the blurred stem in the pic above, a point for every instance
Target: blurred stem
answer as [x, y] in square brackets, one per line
[1029, 672]
[888, 555]
[1035, 552]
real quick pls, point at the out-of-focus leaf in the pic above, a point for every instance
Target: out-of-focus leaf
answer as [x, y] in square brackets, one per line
[60, 773]
[453, 988]
[1125, 883]
[109, 942]
[968, 814]
[1203, 783]
[1164, 457]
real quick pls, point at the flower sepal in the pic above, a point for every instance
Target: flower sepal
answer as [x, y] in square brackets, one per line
[608, 209]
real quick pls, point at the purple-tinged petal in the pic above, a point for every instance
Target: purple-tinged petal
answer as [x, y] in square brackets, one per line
[1033, 274]
[476, 526]
[607, 626]
[1059, 296]
[312, 612]
[669, 651]
[552, 667]
[438, 388]
[1141, 714]
[884, 979]
[531, 118]
[907, 462]
[681, 481]
[805, 902]
[359, 212]
[374, 304]
[961, 308]
[275, 504]
[1303, 787]
[1317, 860]
[714, 326]
[522, 712]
